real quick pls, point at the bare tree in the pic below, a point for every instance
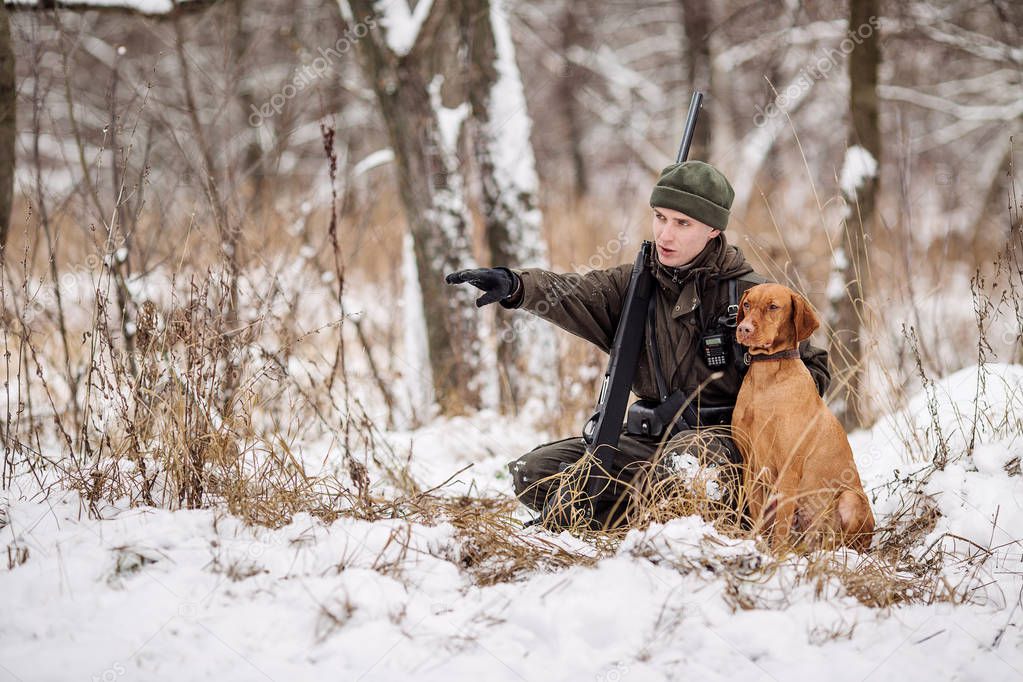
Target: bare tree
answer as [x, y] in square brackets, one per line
[8, 92]
[400, 55]
[8, 111]
[573, 34]
[696, 20]
[501, 126]
[860, 186]
[253, 170]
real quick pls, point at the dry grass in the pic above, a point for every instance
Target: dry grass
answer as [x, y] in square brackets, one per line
[494, 548]
[197, 407]
[182, 433]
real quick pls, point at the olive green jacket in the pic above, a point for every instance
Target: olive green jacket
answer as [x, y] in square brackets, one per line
[688, 301]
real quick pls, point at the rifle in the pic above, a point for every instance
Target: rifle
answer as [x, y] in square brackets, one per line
[602, 431]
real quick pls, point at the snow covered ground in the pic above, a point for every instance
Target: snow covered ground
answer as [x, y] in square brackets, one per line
[158, 595]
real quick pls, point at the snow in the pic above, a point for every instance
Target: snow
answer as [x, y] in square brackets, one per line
[449, 119]
[509, 130]
[836, 287]
[514, 205]
[857, 168]
[373, 160]
[156, 594]
[401, 25]
[417, 373]
[756, 146]
[979, 404]
[999, 407]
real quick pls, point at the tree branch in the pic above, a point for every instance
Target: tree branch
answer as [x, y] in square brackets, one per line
[968, 112]
[150, 9]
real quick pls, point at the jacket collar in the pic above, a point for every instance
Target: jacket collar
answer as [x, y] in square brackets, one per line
[681, 281]
[685, 283]
[674, 278]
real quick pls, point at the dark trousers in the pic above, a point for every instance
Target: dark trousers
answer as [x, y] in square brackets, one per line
[636, 460]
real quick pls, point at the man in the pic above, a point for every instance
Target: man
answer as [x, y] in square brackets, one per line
[692, 266]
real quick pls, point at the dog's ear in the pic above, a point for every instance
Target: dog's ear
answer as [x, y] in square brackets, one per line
[739, 315]
[804, 319]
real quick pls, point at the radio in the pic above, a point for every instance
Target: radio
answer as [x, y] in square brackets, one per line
[715, 350]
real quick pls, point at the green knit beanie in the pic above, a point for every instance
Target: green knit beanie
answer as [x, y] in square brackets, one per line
[697, 189]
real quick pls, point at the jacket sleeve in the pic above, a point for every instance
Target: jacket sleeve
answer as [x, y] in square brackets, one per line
[587, 305]
[816, 360]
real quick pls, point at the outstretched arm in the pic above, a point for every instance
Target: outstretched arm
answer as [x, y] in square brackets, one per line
[588, 305]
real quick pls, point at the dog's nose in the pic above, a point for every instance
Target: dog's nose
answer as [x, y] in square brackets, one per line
[744, 328]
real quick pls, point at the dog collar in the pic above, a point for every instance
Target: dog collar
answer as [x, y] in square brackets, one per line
[790, 354]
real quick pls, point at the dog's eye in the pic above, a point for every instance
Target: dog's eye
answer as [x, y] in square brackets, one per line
[745, 306]
[772, 307]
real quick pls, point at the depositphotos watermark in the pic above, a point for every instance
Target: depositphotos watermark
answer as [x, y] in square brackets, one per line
[819, 69]
[311, 71]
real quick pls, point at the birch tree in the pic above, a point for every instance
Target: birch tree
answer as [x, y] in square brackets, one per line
[399, 52]
[501, 126]
[406, 55]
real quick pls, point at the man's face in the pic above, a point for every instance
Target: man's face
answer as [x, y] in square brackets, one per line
[679, 238]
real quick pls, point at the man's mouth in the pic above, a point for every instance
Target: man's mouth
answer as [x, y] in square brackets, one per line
[665, 250]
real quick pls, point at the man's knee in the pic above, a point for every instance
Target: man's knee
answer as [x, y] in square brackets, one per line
[529, 471]
[708, 456]
[708, 446]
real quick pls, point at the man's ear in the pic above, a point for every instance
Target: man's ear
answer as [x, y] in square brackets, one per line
[804, 319]
[739, 315]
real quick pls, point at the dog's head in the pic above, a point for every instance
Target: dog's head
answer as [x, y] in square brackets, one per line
[773, 318]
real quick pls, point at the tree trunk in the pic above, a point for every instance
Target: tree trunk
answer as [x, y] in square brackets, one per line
[569, 82]
[860, 186]
[696, 22]
[431, 191]
[8, 110]
[253, 169]
[527, 347]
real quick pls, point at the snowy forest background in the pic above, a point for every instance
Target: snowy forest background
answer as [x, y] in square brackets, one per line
[247, 427]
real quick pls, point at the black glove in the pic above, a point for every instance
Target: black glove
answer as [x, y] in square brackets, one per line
[498, 283]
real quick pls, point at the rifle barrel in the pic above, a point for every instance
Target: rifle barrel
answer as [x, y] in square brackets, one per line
[687, 134]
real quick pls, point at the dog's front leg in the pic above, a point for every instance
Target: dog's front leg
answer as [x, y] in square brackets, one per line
[759, 481]
[785, 511]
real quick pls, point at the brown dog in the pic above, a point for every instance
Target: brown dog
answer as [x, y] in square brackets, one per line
[799, 477]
